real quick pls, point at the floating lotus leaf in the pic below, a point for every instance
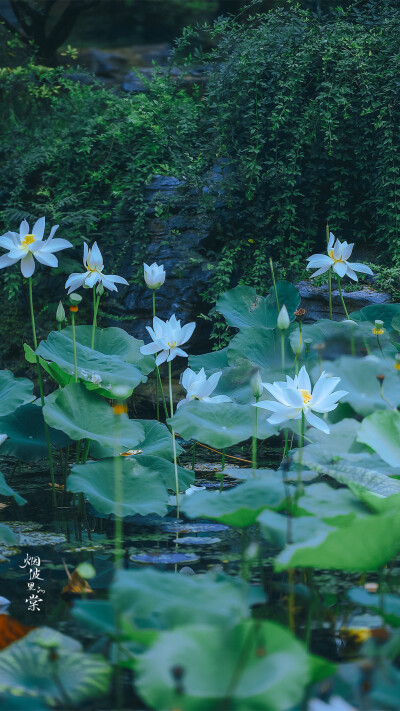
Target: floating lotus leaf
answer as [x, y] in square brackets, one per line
[83, 414]
[216, 360]
[274, 668]
[239, 506]
[166, 558]
[365, 544]
[381, 431]
[218, 425]
[386, 605]
[74, 677]
[6, 490]
[26, 434]
[359, 378]
[14, 392]
[381, 312]
[243, 308]
[157, 442]
[144, 491]
[99, 370]
[149, 598]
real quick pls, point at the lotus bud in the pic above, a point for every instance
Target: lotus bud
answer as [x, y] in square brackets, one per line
[283, 319]
[154, 275]
[60, 313]
[100, 289]
[256, 385]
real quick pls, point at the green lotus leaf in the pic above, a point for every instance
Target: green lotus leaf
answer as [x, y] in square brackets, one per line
[7, 535]
[6, 490]
[243, 308]
[278, 528]
[149, 598]
[396, 322]
[365, 544]
[263, 349]
[239, 506]
[339, 337]
[381, 312]
[381, 431]
[59, 375]
[83, 414]
[218, 425]
[157, 442]
[144, 491]
[71, 679]
[116, 342]
[336, 507]
[274, 668]
[99, 370]
[216, 360]
[386, 605]
[14, 392]
[360, 381]
[26, 434]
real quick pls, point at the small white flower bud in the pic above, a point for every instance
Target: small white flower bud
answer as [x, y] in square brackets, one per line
[283, 319]
[154, 275]
[256, 384]
[60, 313]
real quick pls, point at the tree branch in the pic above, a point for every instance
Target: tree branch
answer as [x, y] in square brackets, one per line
[13, 30]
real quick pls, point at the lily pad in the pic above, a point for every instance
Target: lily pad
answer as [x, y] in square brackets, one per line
[166, 558]
[243, 308]
[29, 533]
[150, 598]
[197, 540]
[186, 527]
[97, 369]
[365, 544]
[14, 392]
[218, 425]
[381, 432]
[157, 442]
[239, 506]
[72, 678]
[144, 491]
[6, 490]
[382, 312]
[274, 668]
[83, 414]
[26, 434]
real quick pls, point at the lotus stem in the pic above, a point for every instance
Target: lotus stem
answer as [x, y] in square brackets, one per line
[118, 493]
[301, 446]
[254, 443]
[283, 349]
[39, 372]
[341, 296]
[74, 346]
[193, 455]
[171, 404]
[274, 283]
[329, 277]
[157, 400]
[295, 363]
[96, 301]
[221, 486]
[291, 600]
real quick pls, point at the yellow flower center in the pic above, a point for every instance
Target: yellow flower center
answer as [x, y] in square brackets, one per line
[172, 345]
[330, 253]
[378, 331]
[28, 239]
[397, 366]
[306, 395]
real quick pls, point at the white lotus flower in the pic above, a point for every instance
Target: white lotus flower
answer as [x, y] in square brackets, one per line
[28, 246]
[338, 254]
[167, 336]
[194, 489]
[93, 263]
[295, 396]
[154, 275]
[199, 387]
[3, 438]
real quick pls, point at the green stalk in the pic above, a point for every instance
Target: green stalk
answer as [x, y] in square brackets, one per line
[162, 392]
[39, 372]
[74, 346]
[274, 283]
[171, 404]
[329, 276]
[254, 443]
[193, 455]
[295, 363]
[221, 486]
[341, 296]
[157, 402]
[301, 446]
[118, 495]
[283, 348]
[96, 301]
